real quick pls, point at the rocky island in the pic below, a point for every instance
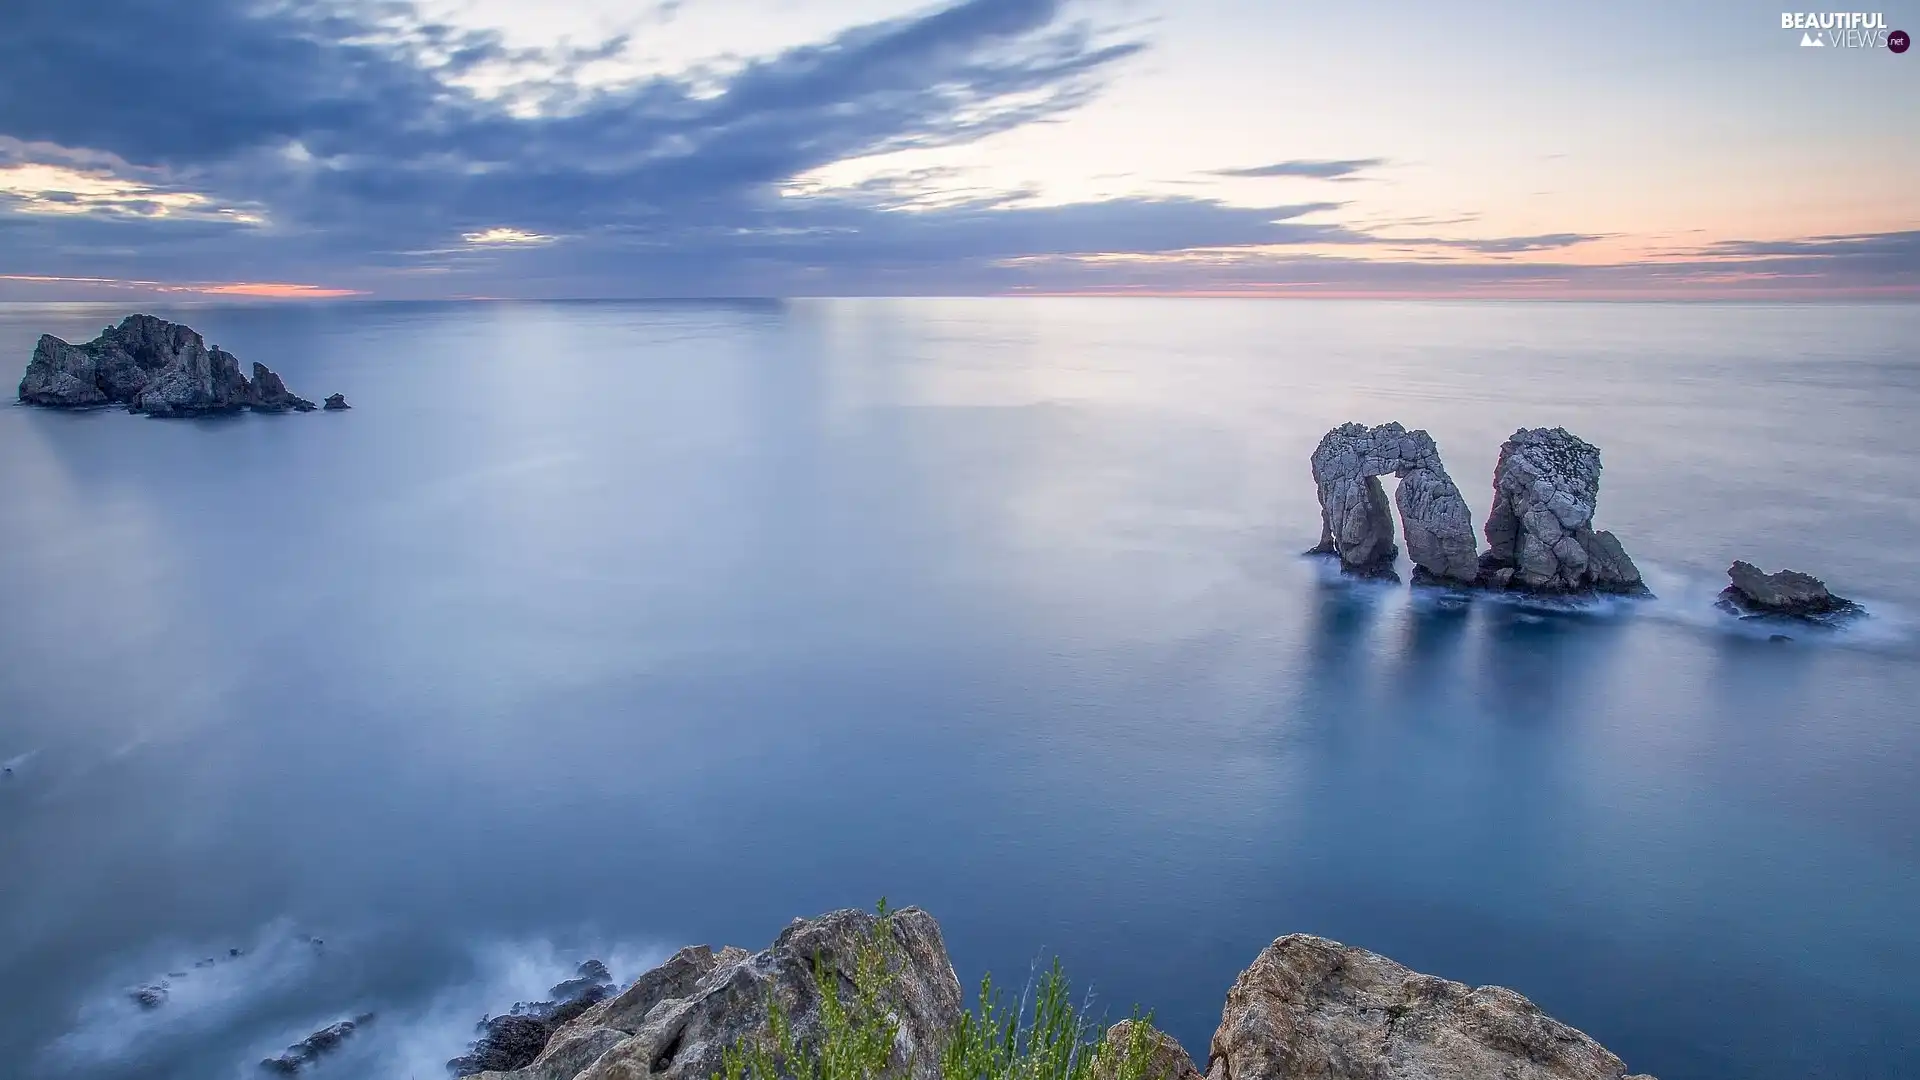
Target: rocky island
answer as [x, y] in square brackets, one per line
[151, 366]
[1540, 534]
[1788, 595]
[1306, 1008]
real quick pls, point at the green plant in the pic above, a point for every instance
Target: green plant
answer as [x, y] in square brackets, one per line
[1045, 1038]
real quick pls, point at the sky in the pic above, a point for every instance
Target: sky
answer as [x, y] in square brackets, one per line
[430, 149]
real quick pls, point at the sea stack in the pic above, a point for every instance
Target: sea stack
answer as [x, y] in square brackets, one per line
[336, 402]
[1540, 533]
[151, 366]
[1356, 523]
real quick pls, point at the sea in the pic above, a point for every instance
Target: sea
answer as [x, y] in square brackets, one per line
[597, 629]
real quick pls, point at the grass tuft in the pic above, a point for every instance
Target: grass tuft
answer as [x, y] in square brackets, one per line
[1045, 1037]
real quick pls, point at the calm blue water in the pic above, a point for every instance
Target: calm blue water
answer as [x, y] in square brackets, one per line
[600, 629]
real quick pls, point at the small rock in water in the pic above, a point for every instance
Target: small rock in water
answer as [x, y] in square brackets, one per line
[151, 996]
[310, 1049]
[336, 402]
[1789, 594]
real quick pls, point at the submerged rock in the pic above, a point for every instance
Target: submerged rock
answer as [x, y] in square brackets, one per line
[1788, 594]
[1355, 521]
[1313, 1008]
[151, 366]
[336, 402]
[315, 1046]
[151, 996]
[1540, 533]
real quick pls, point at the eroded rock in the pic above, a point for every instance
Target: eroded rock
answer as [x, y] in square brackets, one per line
[1540, 533]
[1355, 521]
[675, 1022]
[516, 1039]
[151, 366]
[1314, 1009]
[315, 1046]
[270, 394]
[1788, 594]
[336, 402]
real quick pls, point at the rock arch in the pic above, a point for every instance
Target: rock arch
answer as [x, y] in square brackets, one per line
[1355, 522]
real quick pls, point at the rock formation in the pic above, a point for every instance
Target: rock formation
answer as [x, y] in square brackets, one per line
[1355, 523]
[315, 1046]
[151, 366]
[675, 1021]
[336, 402]
[516, 1039]
[1789, 594]
[1166, 1058]
[272, 395]
[1308, 1009]
[1540, 531]
[1313, 1009]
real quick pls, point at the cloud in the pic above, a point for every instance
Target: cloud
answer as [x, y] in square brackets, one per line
[267, 147]
[1309, 168]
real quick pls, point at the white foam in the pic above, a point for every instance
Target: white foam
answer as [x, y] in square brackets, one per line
[417, 1041]
[112, 1027]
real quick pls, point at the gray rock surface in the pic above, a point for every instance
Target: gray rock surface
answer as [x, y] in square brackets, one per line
[1167, 1059]
[311, 1049]
[1754, 593]
[151, 366]
[1313, 1009]
[522, 1035]
[676, 1021]
[1540, 533]
[270, 394]
[1355, 522]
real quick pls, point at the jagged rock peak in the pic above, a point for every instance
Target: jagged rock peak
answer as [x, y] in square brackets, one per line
[1540, 533]
[151, 366]
[1355, 522]
[1310, 1007]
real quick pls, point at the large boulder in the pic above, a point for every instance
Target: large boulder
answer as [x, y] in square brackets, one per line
[1540, 533]
[1355, 521]
[676, 1022]
[151, 366]
[1788, 594]
[1314, 1009]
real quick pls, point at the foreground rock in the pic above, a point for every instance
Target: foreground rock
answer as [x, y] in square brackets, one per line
[676, 1021]
[1313, 1009]
[1789, 594]
[151, 366]
[516, 1039]
[1308, 1009]
[1355, 522]
[1540, 533]
[315, 1046]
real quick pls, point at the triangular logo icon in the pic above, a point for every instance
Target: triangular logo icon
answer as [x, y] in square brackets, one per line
[1809, 41]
